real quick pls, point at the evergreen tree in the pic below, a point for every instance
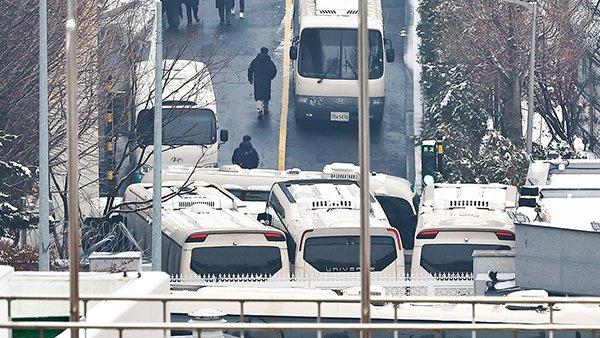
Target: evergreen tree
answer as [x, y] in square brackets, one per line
[15, 180]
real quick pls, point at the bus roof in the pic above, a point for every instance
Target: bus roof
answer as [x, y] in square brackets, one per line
[184, 82]
[467, 207]
[340, 9]
[328, 203]
[180, 224]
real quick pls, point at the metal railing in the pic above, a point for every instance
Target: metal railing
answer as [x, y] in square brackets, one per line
[199, 328]
[540, 305]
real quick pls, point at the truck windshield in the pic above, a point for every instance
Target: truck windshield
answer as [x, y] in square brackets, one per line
[452, 258]
[236, 260]
[341, 253]
[181, 126]
[333, 54]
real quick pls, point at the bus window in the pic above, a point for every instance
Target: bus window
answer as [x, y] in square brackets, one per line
[401, 216]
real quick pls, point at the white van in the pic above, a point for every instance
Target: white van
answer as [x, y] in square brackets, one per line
[456, 219]
[205, 232]
[325, 55]
[321, 220]
[190, 126]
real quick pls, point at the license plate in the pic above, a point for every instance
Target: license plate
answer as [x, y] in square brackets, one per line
[339, 116]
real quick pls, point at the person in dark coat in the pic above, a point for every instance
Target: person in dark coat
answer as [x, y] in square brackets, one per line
[191, 7]
[174, 14]
[225, 7]
[245, 155]
[260, 73]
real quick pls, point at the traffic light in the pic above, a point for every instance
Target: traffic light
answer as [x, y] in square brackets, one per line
[432, 152]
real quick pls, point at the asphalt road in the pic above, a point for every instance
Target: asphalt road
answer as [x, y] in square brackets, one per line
[229, 49]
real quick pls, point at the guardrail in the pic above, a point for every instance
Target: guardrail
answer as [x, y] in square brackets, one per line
[199, 328]
[541, 305]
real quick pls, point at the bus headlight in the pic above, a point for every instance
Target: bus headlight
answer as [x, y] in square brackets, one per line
[139, 175]
[377, 101]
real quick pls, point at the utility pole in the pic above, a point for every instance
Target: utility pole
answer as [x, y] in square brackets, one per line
[43, 171]
[157, 151]
[72, 159]
[364, 161]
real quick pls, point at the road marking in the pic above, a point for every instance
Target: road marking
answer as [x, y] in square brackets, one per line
[285, 93]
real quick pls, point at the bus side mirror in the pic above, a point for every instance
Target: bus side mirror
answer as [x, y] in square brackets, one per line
[390, 53]
[224, 135]
[265, 218]
[527, 202]
[293, 52]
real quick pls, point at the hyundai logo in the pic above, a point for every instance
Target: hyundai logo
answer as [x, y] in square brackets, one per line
[176, 159]
[340, 101]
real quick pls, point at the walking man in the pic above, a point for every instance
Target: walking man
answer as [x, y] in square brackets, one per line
[242, 7]
[191, 7]
[245, 155]
[260, 73]
[225, 7]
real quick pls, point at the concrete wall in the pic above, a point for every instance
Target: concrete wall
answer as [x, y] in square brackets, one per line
[558, 260]
[150, 283]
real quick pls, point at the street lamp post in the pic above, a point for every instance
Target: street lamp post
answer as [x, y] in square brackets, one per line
[533, 7]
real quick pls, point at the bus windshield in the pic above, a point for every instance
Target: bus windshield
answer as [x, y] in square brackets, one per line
[341, 253]
[236, 260]
[181, 126]
[333, 54]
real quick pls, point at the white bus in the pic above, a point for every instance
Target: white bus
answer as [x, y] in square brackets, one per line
[456, 219]
[321, 221]
[325, 56]
[189, 109]
[205, 232]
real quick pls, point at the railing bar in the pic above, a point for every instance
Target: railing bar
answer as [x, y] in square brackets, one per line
[242, 319]
[395, 318]
[41, 332]
[85, 303]
[551, 312]
[473, 333]
[164, 305]
[319, 318]
[199, 333]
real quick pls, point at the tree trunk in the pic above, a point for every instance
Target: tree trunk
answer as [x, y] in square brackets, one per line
[512, 125]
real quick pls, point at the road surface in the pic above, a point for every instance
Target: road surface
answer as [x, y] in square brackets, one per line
[229, 49]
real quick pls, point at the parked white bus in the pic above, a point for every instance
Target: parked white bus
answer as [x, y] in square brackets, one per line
[395, 194]
[189, 116]
[325, 54]
[321, 221]
[456, 219]
[205, 232]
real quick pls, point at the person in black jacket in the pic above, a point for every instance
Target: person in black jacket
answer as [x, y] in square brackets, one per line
[260, 73]
[225, 7]
[191, 7]
[245, 155]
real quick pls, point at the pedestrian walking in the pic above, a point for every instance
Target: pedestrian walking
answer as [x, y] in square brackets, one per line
[225, 7]
[242, 8]
[191, 7]
[260, 73]
[245, 155]
[174, 14]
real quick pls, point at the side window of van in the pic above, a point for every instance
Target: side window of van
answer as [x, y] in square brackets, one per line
[401, 216]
